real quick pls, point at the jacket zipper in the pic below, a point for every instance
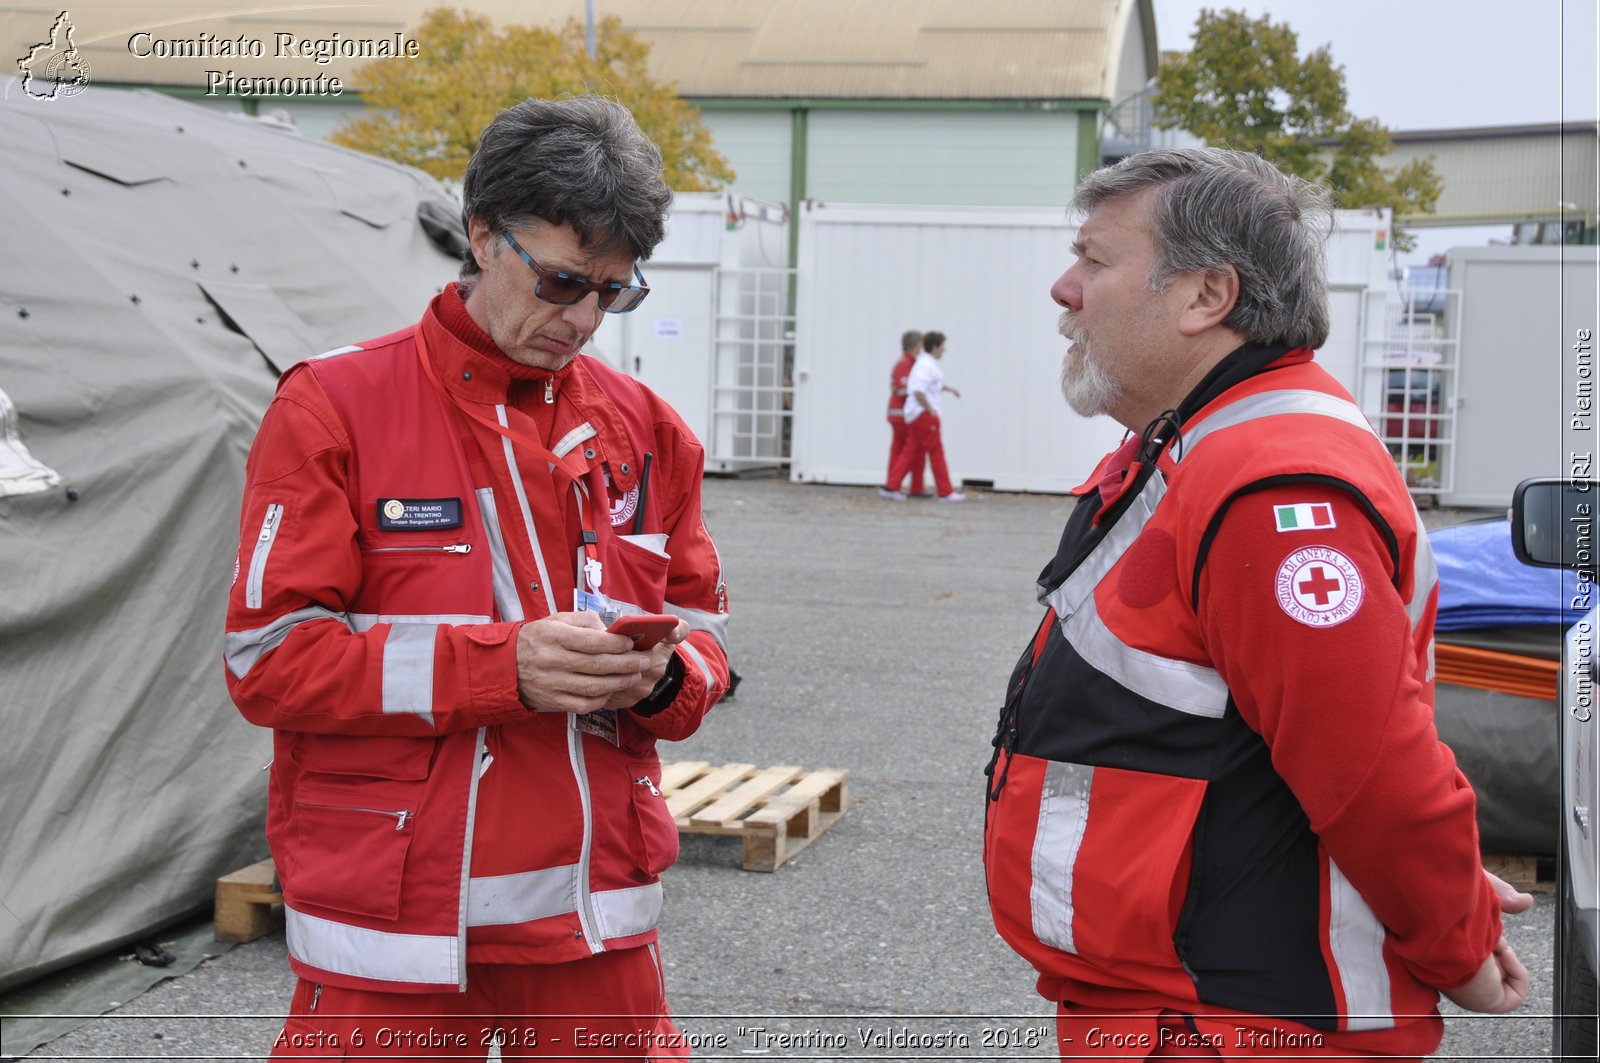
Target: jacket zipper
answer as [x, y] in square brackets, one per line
[258, 559]
[401, 815]
[549, 392]
[586, 918]
[454, 548]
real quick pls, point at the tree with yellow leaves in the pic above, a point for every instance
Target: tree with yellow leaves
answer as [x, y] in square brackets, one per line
[427, 112]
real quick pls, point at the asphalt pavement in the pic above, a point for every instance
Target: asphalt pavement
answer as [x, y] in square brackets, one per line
[872, 636]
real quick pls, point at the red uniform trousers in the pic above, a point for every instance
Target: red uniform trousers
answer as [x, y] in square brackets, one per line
[1084, 1033]
[926, 445]
[898, 445]
[610, 1006]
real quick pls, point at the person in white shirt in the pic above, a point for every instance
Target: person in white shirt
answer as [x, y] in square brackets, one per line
[925, 387]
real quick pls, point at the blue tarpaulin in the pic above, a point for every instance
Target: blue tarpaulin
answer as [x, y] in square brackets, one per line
[1482, 584]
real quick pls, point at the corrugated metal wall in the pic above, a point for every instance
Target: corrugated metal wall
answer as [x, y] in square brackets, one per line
[1501, 178]
[757, 146]
[983, 158]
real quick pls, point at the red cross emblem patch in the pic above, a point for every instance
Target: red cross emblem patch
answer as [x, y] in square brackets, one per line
[1319, 586]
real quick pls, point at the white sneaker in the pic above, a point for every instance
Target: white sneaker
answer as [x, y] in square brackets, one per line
[953, 496]
[893, 496]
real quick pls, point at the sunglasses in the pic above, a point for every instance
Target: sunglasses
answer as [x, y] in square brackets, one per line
[564, 289]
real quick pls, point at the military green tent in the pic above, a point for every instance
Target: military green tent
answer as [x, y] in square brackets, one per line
[164, 262]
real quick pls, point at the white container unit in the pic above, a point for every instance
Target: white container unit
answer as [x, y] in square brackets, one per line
[982, 276]
[719, 250]
[1525, 393]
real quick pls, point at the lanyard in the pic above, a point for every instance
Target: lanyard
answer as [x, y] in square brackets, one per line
[580, 492]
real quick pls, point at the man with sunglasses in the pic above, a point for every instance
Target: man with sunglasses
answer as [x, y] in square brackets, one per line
[1221, 823]
[438, 527]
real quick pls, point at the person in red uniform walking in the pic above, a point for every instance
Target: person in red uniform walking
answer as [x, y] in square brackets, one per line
[1221, 823]
[925, 388]
[900, 436]
[438, 527]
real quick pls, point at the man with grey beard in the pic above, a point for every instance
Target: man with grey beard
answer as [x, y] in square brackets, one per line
[1220, 821]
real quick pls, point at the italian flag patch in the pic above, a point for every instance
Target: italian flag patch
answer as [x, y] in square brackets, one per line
[1303, 516]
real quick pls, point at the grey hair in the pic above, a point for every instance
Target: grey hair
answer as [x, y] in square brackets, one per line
[1216, 209]
[582, 162]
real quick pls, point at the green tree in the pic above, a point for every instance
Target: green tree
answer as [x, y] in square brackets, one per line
[1244, 85]
[427, 112]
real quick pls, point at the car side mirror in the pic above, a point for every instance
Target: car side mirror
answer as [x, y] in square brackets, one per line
[1552, 523]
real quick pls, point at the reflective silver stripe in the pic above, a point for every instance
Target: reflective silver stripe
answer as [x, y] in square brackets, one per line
[624, 913]
[408, 669]
[336, 352]
[527, 514]
[713, 624]
[242, 649]
[464, 890]
[500, 899]
[1079, 586]
[427, 959]
[505, 899]
[705, 670]
[258, 558]
[367, 621]
[1063, 815]
[505, 584]
[1181, 685]
[573, 438]
[1355, 937]
[1424, 574]
[1272, 404]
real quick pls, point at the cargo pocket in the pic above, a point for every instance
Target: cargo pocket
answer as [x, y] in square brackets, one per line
[354, 821]
[1129, 890]
[349, 857]
[653, 834]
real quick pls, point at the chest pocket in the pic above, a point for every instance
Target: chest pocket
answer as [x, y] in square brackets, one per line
[636, 571]
[423, 571]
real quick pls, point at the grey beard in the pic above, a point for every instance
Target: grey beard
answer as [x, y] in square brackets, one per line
[1085, 386]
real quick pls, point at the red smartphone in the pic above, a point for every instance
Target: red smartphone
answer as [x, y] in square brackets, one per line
[645, 629]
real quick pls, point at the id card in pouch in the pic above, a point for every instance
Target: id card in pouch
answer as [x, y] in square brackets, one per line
[600, 722]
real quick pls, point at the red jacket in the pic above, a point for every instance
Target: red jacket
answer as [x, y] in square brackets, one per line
[897, 386]
[420, 815]
[1219, 788]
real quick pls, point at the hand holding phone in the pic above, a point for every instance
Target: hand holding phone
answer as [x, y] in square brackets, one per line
[645, 629]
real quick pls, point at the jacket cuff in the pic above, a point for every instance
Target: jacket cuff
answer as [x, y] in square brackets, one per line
[491, 668]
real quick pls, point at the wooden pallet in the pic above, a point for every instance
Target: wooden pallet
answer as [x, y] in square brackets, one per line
[1520, 870]
[777, 811]
[249, 903]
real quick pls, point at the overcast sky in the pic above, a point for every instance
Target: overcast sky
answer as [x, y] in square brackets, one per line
[1437, 64]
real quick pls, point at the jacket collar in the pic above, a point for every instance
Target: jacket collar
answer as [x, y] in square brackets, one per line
[475, 370]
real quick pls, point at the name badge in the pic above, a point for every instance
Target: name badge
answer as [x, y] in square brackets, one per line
[418, 514]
